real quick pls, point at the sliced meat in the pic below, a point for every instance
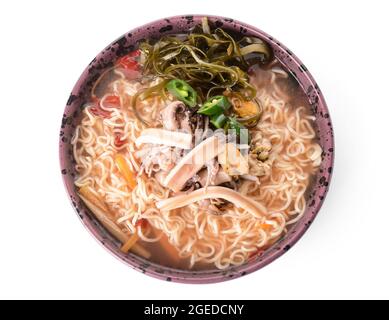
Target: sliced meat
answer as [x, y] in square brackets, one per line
[220, 178]
[177, 116]
[253, 207]
[191, 163]
[160, 158]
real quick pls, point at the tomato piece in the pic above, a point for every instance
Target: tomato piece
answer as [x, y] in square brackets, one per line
[143, 223]
[111, 101]
[94, 111]
[128, 62]
[135, 53]
[118, 141]
[98, 112]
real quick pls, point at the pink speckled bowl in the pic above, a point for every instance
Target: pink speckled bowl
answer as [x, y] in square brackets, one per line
[180, 24]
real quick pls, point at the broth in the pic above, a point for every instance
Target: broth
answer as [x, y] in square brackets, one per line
[139, 130]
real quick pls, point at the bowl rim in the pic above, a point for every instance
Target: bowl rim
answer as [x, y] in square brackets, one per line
[276, 250]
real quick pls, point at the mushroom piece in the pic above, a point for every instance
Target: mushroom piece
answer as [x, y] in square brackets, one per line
[177, 116]
[253, 207]
[191, 163]
[185, 122]
[198, 121]
[165, 137]
[168, 115]
[213, 169]
[220, 178]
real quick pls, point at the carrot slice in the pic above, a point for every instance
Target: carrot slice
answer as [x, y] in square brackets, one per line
[142, 223]
[130, 243]
[266, 226]
[124, 169]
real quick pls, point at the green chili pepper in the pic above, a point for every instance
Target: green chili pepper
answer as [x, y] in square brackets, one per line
[215, 106]
[240, 130]
[182, 91]
[218, 120]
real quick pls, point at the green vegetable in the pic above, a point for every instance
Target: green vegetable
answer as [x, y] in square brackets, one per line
[219, 120]
[182, 91]
[156, 90]
[215, 106]
[234, 125]
[239, 129]
[208, 59]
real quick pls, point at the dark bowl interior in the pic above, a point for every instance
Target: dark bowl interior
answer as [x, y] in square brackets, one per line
[180, 24]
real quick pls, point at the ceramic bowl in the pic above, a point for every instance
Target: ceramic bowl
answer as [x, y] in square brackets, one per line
[180, 24]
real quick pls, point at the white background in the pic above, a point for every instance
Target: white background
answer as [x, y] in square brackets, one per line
[45, 252]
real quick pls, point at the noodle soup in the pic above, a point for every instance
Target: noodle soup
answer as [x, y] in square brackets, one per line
[154, 173]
